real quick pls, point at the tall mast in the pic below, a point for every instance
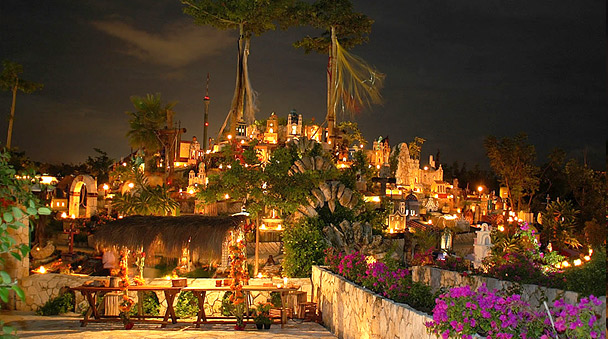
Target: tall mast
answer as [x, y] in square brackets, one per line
[206, 120]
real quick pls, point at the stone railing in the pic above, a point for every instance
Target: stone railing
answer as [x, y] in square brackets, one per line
[350, 311]
[533, 294]
[39, 288]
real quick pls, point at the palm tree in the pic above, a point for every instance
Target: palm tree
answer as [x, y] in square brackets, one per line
[10, 81]
[150, 116]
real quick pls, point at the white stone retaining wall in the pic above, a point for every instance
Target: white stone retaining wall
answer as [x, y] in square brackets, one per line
[39, 288]
[533, 294]
[350, 311]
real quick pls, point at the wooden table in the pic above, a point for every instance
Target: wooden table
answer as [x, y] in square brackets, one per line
[90, 294]
[201, 292]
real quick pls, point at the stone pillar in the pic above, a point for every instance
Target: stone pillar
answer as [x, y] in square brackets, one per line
[18, 269]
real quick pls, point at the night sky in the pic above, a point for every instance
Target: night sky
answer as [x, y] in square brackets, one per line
[456, 71]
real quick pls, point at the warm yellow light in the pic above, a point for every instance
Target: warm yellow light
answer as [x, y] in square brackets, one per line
[279, 227]
[578, 262]
[263, 227]
[480, 189]
[285, 280]
[73, 216]
[501, 228]
[227, 196]
[221, 166]
[131, 185]
[426, 168]
[370, 259]
[106, 187]
[458, 210]
[260, 275]
[64, 215]
[587, 258]
[430, 222]
[390, 230]
[242, 142]
[361, 146]
[377, 166]
[565, 264]
[590, 251]
[229, 136]
[41, 270]
[190, 190]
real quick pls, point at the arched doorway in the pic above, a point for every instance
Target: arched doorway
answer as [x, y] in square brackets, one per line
[91, 196]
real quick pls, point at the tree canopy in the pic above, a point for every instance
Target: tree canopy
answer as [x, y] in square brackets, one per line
[11, 81]
[512, 159]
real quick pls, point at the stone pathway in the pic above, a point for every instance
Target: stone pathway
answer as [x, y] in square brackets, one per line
[67, 326]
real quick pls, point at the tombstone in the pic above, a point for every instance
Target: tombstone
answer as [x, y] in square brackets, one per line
[482, 244]
[91, 198]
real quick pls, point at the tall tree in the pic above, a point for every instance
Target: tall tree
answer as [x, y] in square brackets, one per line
[149, 117]
[248, 18]
[99, 165]
[10, 81]
[512, 159]
[351, 83]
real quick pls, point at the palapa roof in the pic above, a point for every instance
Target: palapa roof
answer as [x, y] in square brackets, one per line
[202, 235]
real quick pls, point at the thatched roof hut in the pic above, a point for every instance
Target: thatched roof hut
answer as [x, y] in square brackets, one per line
[169, 236]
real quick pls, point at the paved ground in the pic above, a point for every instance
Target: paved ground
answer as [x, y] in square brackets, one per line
[68, 326]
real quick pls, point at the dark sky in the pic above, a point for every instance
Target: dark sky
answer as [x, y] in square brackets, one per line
[456, 71]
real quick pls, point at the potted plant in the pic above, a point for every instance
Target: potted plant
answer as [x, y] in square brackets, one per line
[262, 316]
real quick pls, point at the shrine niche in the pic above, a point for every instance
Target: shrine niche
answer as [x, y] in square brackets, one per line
[91, 196]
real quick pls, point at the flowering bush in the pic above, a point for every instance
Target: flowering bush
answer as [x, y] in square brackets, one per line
[395, 284]
[462, 312]
[453, 264]
[423, 259]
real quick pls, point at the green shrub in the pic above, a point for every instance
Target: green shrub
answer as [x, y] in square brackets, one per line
[201, 272]
[304, 245]
[151, 305]
[275, 299]
[187, 305]
[589, 278]
[58, 305]
[227, 305]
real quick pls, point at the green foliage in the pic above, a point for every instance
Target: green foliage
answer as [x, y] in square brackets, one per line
[588, 188]
[262, 314]
[275, 299]
[144, 124]
[200, 272]
[187, 305]
[99, 166]
[589, 278]
[559, 224]
[145, 199]
[267, 186]
[351, 28]
[151, 305]
[304, 245]
[227, 305]
[415, 147]
[512, 159]
[17, 203]
[58, 305]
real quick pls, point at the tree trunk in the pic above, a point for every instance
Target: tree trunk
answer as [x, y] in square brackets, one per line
[9, 136]
[331, 86]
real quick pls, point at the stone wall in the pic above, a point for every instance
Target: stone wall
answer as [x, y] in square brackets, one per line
[350, 311]
[533, 294]
[39, 288]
